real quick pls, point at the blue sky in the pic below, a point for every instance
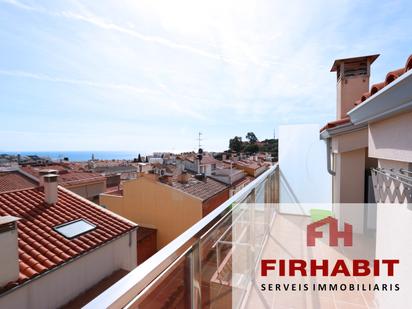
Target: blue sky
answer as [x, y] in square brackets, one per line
[148, 75]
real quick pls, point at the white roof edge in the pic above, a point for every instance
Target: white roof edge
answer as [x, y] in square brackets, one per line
[392, 99]
[342, 129]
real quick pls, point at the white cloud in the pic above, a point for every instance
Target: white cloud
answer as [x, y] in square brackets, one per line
[88, 83]
[211, 64]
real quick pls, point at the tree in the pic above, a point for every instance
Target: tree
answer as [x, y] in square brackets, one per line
[251, 137]
[252, 148]
[235, 144]
[139, 158]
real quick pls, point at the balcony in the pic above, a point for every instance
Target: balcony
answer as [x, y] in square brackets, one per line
[215, 263]
[202, 268]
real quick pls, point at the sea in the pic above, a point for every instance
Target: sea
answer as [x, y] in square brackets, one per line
[76, 156]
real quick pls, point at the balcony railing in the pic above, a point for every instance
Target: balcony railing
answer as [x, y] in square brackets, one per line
[211, 264]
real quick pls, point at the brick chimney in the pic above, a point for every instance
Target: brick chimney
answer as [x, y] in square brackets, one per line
[50, 189]
[352, 77]
[9, 253]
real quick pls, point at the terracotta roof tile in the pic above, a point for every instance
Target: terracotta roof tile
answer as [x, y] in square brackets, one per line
[208, 159]
[40, 247]
[365, 96]
[335, 123]
[249, 163]
[376, 87]
[391, 76]
[408, 64]
[66, 177]
[202, 189]
[14, 180]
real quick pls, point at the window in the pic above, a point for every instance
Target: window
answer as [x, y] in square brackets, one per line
[74, 228]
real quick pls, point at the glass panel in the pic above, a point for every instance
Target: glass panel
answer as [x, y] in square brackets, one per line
[222, 262]
[230, 251]
[172, 289]
[74, 228]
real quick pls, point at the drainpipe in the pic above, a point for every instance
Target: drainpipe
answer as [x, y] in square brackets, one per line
[328, 155]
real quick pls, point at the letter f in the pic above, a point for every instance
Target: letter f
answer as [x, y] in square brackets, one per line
[312, 234]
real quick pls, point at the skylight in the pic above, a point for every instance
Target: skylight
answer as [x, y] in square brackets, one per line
[74, 228]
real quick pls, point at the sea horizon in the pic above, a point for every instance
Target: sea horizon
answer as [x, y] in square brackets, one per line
[81, 155]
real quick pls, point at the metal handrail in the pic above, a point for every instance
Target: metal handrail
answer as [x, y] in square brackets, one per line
[127, 288]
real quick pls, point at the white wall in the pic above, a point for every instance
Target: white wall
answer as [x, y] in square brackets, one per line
[9, 266]
[62, 285]
[390, 139]
[302, 162]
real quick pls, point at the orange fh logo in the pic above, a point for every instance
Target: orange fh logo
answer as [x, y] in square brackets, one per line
[334, 234]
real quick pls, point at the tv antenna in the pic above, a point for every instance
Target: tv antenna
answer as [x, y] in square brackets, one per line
[199, 139]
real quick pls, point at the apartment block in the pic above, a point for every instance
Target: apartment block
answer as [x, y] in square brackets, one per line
[166, 201]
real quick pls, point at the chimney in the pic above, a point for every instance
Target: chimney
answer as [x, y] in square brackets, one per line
[50, 189]
[45, 172]
[183, 177]
[9, 253]
[352, 80]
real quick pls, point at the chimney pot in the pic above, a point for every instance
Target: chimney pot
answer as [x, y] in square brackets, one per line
[50, 189]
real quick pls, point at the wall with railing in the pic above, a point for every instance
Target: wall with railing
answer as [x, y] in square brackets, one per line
[211, 264]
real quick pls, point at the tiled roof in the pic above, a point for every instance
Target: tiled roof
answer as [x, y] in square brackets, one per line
[208, 159]
[249, 163]
[67, 177]
[390, 77]
[79, 177]
[202, 189]
[10, 181]
[40, 247]
[243, 181]
[335, 123]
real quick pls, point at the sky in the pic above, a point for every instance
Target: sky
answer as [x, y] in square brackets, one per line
[149, 75]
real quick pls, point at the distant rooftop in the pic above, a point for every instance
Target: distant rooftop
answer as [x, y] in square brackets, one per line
[203, 189]
[66, 176]
[14, 180]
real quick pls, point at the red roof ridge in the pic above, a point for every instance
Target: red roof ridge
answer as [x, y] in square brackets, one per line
[391, 76]
[335, 123]
[408, 64]
[376, 87]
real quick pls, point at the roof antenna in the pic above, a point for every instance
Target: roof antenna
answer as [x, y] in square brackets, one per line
[199, 139]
